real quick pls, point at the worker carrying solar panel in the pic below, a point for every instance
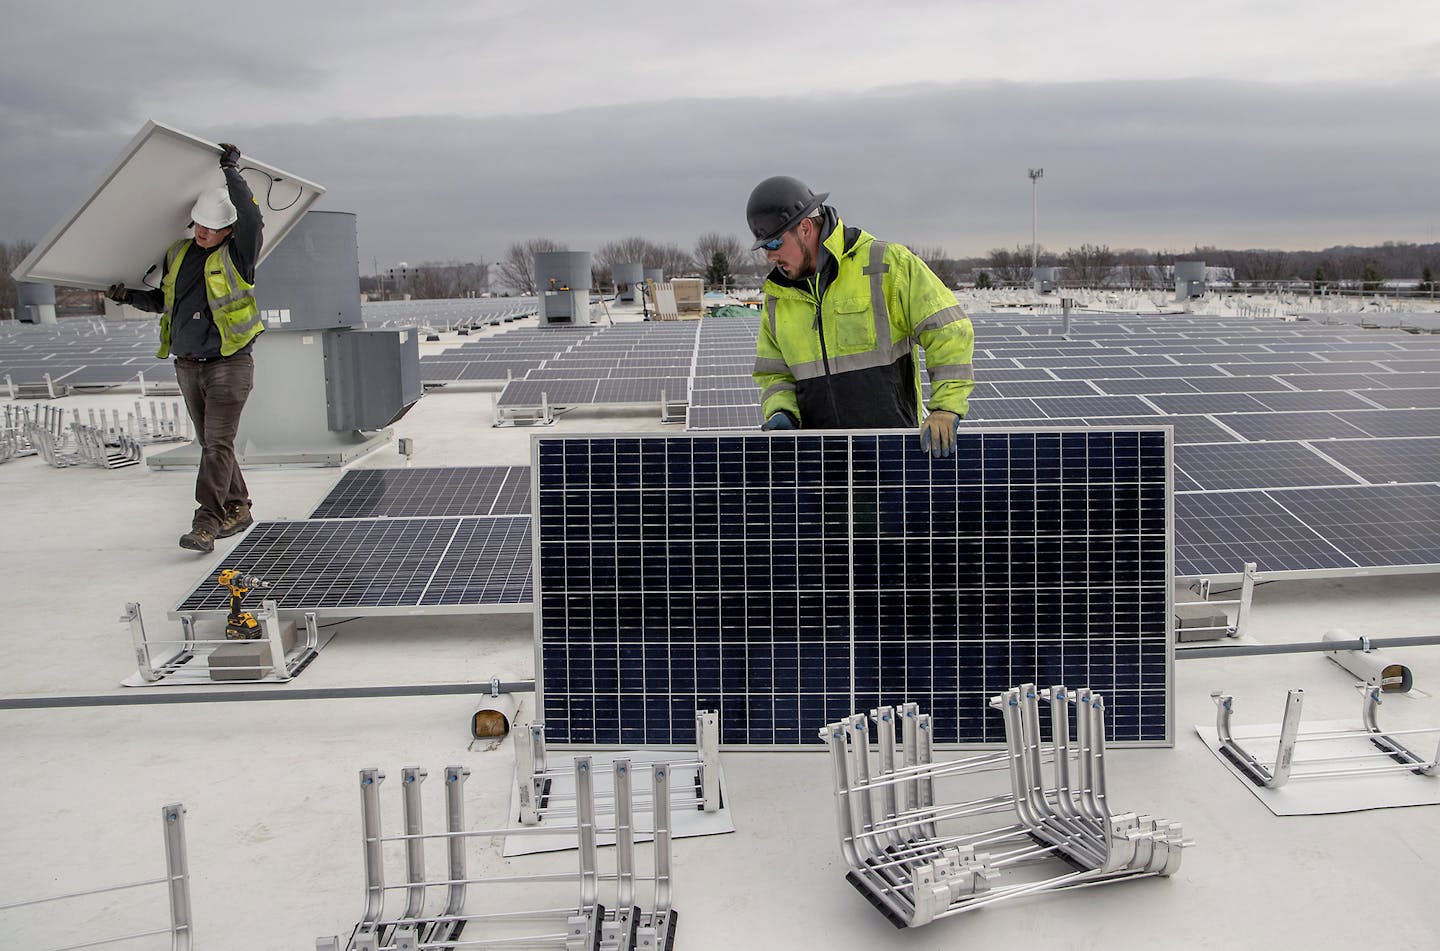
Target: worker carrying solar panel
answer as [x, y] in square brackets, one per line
[209, 319]
[844, 312]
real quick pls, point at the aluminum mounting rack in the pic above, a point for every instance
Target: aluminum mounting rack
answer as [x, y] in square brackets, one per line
[917, 858]
[176, 881]
[534, 775]
[566, 907]
[1391, 755]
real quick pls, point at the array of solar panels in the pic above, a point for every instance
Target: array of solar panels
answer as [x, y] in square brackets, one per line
[82, 352]
[622, 364]
[1283, 429]
[788, 580]
[386, 541]
[466, 313]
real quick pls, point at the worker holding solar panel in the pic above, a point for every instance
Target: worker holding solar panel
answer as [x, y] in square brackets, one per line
[209, 321]
[843, 314]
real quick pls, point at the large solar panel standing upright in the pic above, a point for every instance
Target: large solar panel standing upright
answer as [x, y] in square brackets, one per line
[789, 579]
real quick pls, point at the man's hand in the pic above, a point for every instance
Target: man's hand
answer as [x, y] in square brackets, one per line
[937, 433]
[781, 420]
[229, 155]
[119, 293]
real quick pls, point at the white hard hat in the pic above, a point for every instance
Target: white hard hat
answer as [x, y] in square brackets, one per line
[213, 209]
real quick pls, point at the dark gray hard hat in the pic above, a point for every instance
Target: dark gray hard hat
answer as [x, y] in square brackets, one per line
[777, 205]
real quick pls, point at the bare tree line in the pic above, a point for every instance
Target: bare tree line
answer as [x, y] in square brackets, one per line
[1097, 265]
[516, 268]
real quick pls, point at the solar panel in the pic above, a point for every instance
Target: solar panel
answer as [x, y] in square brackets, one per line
[724, 417]
[1238, 384]
[1426, 397]
[1188, 429]
[1332, 381]
[558, 392]
[1377, 526]
[428, 492]
[1292, 425]
[1003, 409]
[489, 561]
[1302, 402]
[1145, 387]
[1095, 406]
[1216, 533]
[1209, 403]
[1388, 460]
[1259, 465]
[788, 579]
[365, 566]
[642, 390]
[1405, 422]
[1044, 388]
[735, 397]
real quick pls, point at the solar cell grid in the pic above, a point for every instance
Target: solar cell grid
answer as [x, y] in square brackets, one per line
[1311, 382]
[1045, 388]
[1145, 387]
[1209, 403]
[362, 565]
[731, 397]
[428, 492]
[1388, 460]
[786, 580]
[1261, 465]
[1003, 409]
[723, 417]
[1301, 402]
[1273, 426]
[1240, 384]
[732, 381]
[1428, 398]
[642, 390]
[1216, 533]
[557, 392]
[1401, 422]
[1383, 525]
[1188, 429]
[1094, 406]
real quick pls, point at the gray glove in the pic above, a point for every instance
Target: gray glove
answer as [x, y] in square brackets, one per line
[119, 293]
[781, 420]
[229, 155]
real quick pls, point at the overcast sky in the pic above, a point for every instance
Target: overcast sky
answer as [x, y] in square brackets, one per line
[455, 129]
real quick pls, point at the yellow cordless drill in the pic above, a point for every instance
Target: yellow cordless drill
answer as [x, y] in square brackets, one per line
[240, 625]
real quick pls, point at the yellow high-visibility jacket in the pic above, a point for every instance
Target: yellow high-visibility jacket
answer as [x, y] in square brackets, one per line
[231, 298]
[836, 349]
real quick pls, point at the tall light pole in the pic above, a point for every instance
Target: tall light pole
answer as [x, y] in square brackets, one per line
[1035, 175]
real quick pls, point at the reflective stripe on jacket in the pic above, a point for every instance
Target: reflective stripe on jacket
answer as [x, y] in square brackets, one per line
[232, 305]
[836, 350]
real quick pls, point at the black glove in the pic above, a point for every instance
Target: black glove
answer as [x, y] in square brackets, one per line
[119, 293]
[229, 155]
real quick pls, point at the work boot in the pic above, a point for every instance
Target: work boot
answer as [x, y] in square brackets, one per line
[237, 519]
[197, 539]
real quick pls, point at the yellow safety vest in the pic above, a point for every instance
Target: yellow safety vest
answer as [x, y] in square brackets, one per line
[882, 302]
[231, 302]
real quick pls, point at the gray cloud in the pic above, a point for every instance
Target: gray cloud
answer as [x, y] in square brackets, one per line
[1157, 164]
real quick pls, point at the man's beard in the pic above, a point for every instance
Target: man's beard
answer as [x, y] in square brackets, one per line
[806, 268]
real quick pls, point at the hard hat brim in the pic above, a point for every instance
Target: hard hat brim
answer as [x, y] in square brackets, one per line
[794, 220]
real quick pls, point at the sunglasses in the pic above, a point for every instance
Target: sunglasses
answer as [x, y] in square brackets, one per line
[774, 243]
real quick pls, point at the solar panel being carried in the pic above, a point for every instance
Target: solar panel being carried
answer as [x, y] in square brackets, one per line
[787, 580]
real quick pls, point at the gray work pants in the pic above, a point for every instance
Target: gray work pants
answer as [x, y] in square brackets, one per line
[215, 392]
